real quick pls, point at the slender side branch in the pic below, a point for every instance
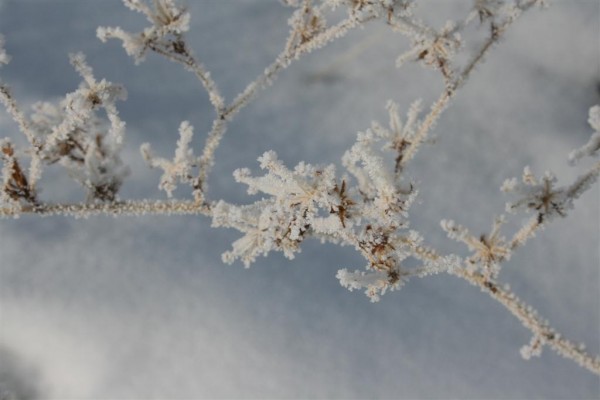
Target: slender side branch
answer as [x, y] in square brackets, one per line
[180, 54]
[286, 57]
[442, 102]
[165, 36]
[543, 334]
[11, 106]
[206, 160]
[428, 123]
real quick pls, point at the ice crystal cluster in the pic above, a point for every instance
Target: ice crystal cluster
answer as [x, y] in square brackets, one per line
[366, 206]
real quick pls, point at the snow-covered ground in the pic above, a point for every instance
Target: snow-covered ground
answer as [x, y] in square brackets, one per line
[107, 308]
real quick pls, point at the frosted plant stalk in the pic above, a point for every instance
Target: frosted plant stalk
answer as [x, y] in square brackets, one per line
[366, 206]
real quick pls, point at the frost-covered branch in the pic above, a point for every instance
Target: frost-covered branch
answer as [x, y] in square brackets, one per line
[166, 37]
[542, 333]
[544, 199]
[438, 52]
[366, 206]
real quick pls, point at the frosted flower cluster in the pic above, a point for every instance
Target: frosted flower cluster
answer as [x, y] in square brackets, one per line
[297, 200]
[538, 195]
[543, 197]
[306, 22]
[384, 196]
[435, 49]
[168, 22]
[488, 251]
[73, 135]
[76, 137]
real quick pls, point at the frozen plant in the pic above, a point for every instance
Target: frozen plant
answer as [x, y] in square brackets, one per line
[70, 134]
[367, 206]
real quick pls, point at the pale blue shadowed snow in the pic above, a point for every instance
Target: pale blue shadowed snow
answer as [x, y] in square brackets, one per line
[143, 307]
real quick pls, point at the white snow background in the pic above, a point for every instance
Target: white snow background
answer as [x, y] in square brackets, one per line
[128, 307]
